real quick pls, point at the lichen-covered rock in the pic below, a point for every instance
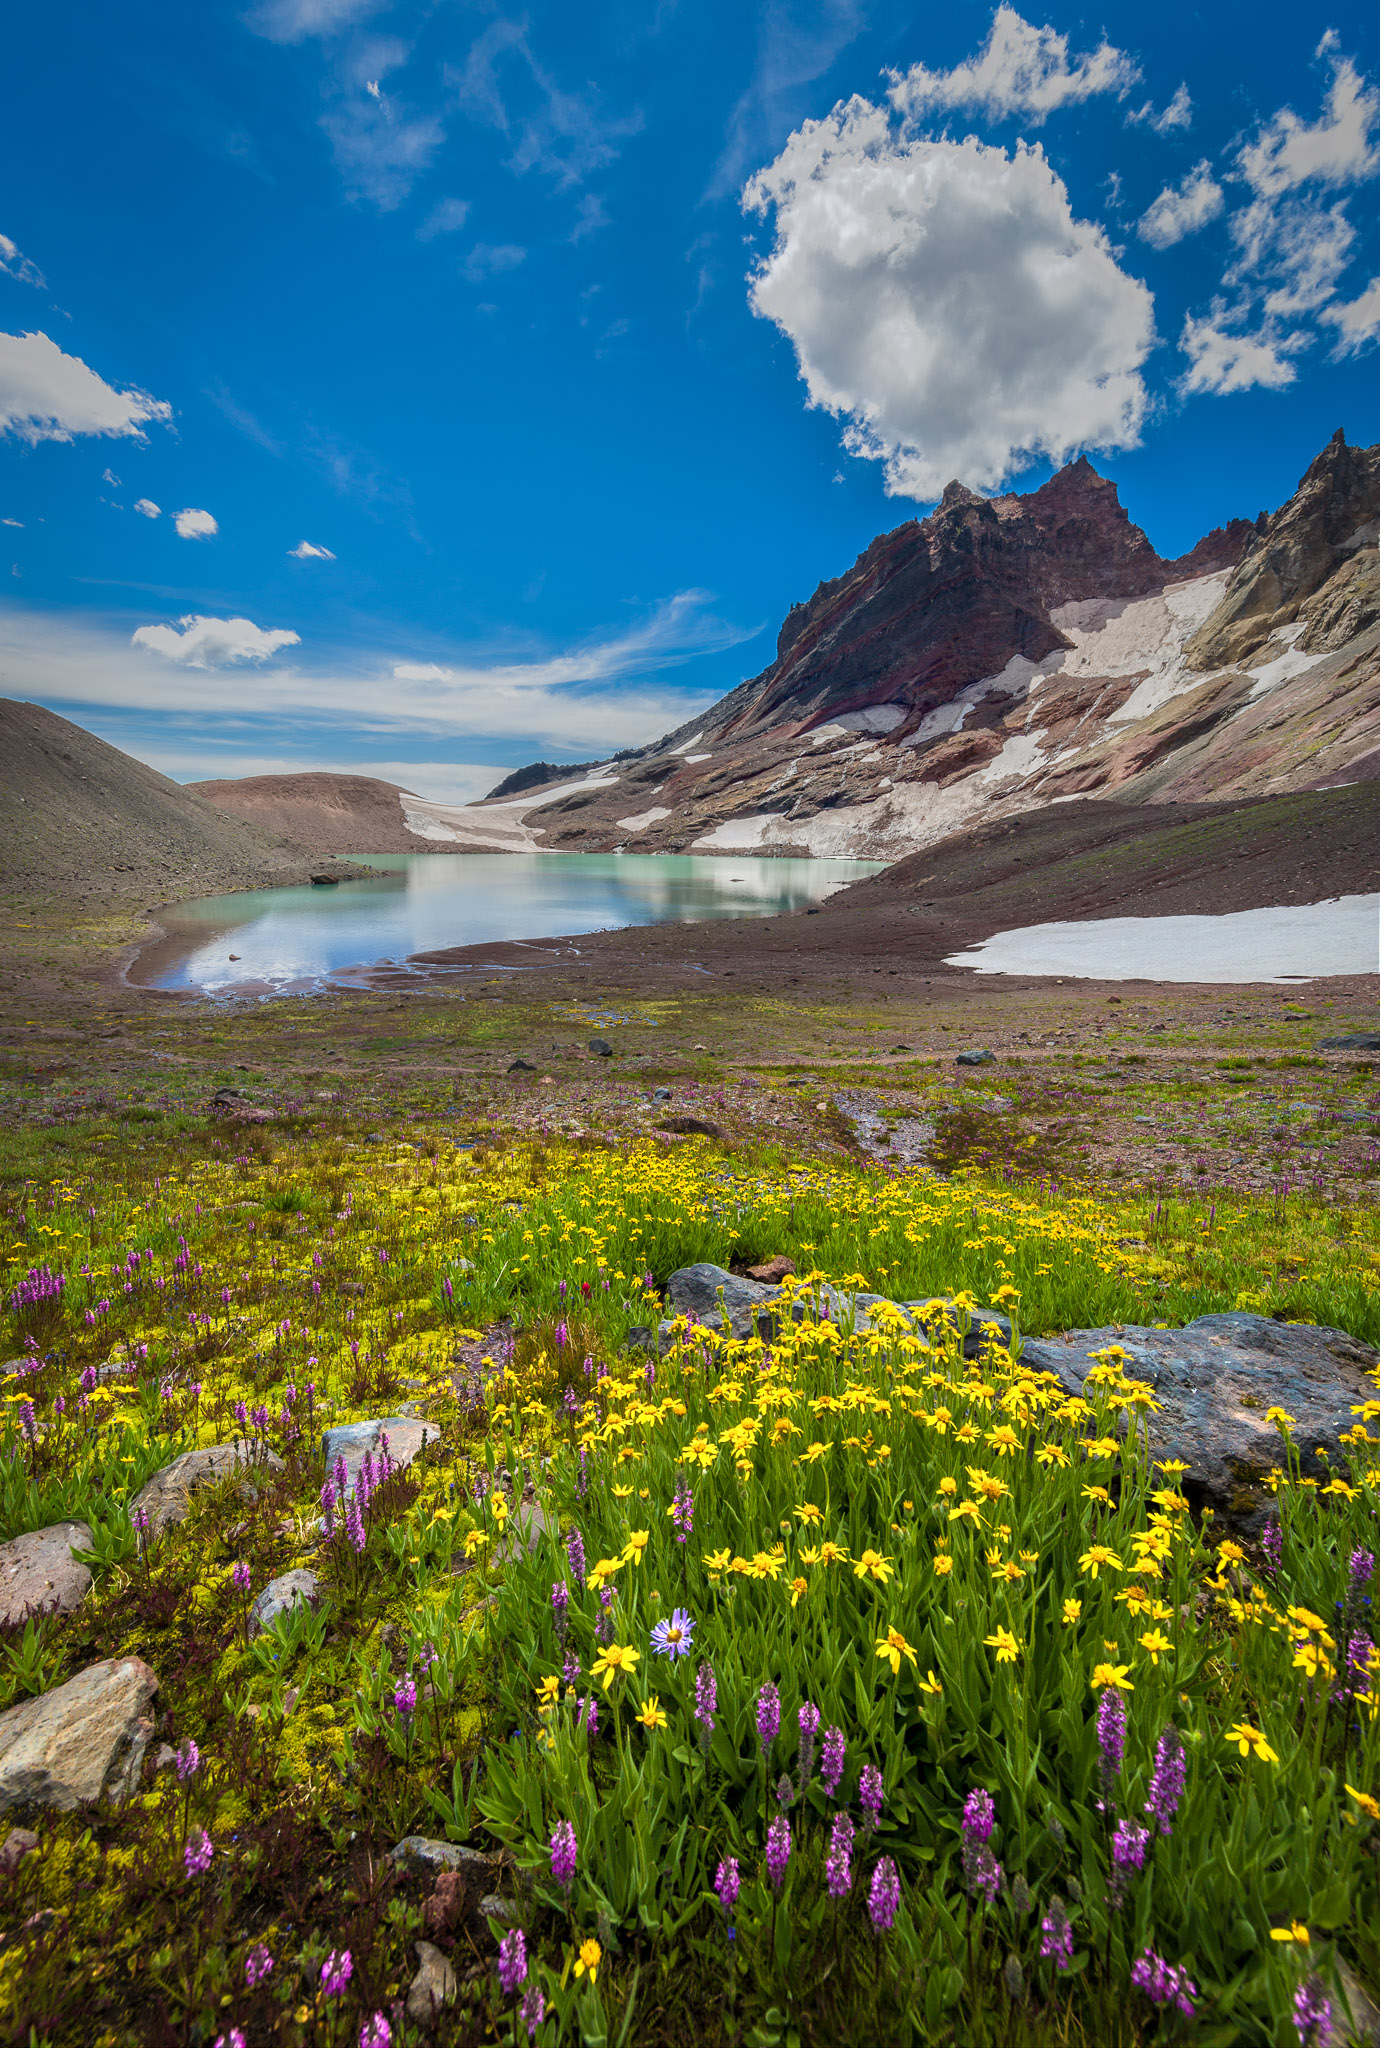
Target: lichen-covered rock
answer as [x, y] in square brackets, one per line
[420, 1852]
[39, 1575]
[81, 1742]
[527, 1524]
[433, 1987]
[167, 1498]
[351, 1440]
[279, 1596]
[1216, 1380]
[694, 1291]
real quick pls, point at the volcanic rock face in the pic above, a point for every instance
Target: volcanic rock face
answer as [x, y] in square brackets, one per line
[329, 813]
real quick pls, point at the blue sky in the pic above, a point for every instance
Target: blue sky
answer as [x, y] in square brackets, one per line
[427, 388]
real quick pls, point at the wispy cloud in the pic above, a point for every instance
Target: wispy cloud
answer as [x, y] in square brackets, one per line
[798, 42]
[563, 135]
[1021, 70]
[17, 265]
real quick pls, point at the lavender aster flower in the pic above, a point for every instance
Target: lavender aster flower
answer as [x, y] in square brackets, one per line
[768, 1715]
[1056, 1935]
[726, 1884]
[831, 1760]
[512, 1962]
[533, 2008]
[198, 1853]
[778, 1851]
[376, 2033]
[564, 1852]
[884, 1896]
[257, 1965]
[335, 1973]
[673, 1638]
[1162, 1983]
[1167, 1783]
[870, 1795]
[1313, 2014]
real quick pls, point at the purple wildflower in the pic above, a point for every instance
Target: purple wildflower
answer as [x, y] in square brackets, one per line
[376, 2033]
[1313, 2014]
[981, 1871]
[564, 1852]
[785, 1790]
[1111, 1740]
[328, 1508]
[257, 1965]
[512, 1962]
[870, 1796]
[590, 1716]
[354, 1525]
[187, 1761]
[1128, 1856]
[838, 1867]
[673, 1638]
[234, 2039]
[884, 1896]
[706, 1699]
[1272, 1543]
[726, 1884]
[603, 1627]
[1361, 1569]
[570, 1669]
[1056, 1935]
[778, 1850]
[405, 1697]
[831, 1760]
[1167, 1783]
[560, 1604]
[575, 1551]
[1359, 1652]
[335, 1973]
[241, 1577]
[768, 1715]
[683, 1512]
[533, 2008]
[808, 1720]
[979, 1816]
[1162, 1983]
[198, 1853]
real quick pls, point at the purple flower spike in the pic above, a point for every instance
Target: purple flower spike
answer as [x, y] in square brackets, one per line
[533, 2008]
[1313, 2014]
[564, 1853]
[808, 1720]
[831, 1760]
[838, 1867]
[1111, 1740]
[1162, 1983]
[1362, 1569]
[335, 1973]
[1167, 1784]
[726, 1885]
[257, 1965]
[376, 2033]
[198, 1853]
[778, 1851]
[512, 1962]
[241, 1577]
[234, 2039]
[187, 1761]
[981, 1871]
[979, 1815]
[884, 1896]
[405, 1698]
[870, 1795]
[575, 1552]
[706, 1699]
[1056, 1936]
[768, 1715]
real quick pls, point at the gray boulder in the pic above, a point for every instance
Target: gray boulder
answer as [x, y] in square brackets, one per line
[1215, 1380]
[1354, 1041]
[420, 1852]
[350, 1440]
[978, 1056]
[694, 1290]
[82, 1741]
[279, 1596]
[527, 1524]
[167, 1498]
[39, 1575]
[433, 1987]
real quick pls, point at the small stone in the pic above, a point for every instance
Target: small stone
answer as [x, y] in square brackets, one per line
[495, 1908]
[521, 1067]
[661, 1095]
[18, 1843]
[280, 1596]
[433, 1987]
[82, 1741]
[601, 1049]
[977, 1056]
[692, 1127]
[39, 1575]
[774, 1270]
[421, 1852]
[167, 1498]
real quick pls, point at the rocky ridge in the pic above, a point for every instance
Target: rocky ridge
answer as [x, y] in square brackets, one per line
[1004, 654]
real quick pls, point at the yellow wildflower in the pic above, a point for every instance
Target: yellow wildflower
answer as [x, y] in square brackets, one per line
[1248, 1739]
[1295, 1931]
[589, 1959]
[651, 1716]
[548, 1692]
[1154, 1642]
[798, 1587]
[892, 1647]
[943, 1566]
[1072, 1611]
[1093, 1559]
[637, 1543]
[1365, 1802]
[1005, 1645]
[1111, 1674]
[616, 1659]
[872, 1564]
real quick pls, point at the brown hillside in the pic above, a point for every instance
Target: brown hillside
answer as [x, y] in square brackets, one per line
[329, 813]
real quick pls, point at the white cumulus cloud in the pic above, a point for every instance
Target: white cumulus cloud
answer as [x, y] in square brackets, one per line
[944, 302]
[1337, 149]
[1221, 362]
[194, 525]
[1019, 70]
[48, 396]
[1358, 321]
[1181, 209]
[200, 642]
[306, 552]
[1177, 114]
[147, 507]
